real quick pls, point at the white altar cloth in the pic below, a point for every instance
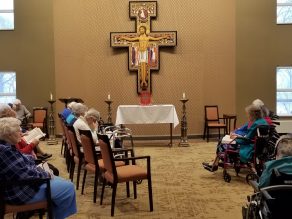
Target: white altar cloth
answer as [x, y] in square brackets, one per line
[137, 114]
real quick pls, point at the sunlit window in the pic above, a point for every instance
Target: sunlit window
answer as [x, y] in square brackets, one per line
[284, 11]
[7, 87]
[284, 91]
[6, 14]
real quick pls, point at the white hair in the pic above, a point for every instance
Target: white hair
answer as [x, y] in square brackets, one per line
[70, 105]
[258, 102]
[6, 111]
[284, 146]
[92, 113]
[79, 109]
[16, 102]
[8, 126]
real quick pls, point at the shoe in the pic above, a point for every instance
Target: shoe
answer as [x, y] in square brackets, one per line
[209, 167]
[44, 156]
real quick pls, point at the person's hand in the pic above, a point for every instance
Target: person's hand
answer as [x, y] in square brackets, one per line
[35, 141]
[233, 135]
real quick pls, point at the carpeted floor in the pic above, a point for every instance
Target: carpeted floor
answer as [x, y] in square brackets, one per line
[181, 187]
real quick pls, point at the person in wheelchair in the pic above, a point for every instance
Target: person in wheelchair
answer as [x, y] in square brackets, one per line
[272, 196]
[283, 161]
[244, 144]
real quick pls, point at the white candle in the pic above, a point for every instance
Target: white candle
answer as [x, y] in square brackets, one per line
[51, 96]
[184, 95]
[109, 97]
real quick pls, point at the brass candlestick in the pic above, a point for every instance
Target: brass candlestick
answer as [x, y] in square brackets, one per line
[184, 125]
[52, 137]
[109, 111]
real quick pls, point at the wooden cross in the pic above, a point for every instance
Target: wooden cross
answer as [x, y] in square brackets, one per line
[143, 45]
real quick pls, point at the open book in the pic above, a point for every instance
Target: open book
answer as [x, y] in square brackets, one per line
[36, 133]
[227, 140]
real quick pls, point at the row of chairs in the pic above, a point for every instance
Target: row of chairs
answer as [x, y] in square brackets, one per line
[102, 161]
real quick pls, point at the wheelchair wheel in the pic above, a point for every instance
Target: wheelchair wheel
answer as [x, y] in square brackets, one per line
[226, 176]
[251, 212]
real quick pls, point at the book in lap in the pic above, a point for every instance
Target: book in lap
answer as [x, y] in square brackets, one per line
[36, 133]
[227, 140]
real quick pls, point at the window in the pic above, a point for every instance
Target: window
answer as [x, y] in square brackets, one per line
[7, 87]
[284, 91]
[6, 15]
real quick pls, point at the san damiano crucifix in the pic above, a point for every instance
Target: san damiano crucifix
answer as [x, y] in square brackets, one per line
[143, 44]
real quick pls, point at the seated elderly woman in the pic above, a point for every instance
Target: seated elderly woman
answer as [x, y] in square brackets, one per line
[88, 122]
[14, 166]
[78, 109]
[255, 118]
[283, 160]
[31, 148]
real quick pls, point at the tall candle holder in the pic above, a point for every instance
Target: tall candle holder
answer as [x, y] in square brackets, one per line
[109, 111]
[184, 125]
[52, 137]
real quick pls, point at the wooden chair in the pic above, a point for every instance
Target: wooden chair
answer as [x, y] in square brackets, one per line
[41, 205]
[78, 156]
[39, 117]
[212, 121]
[91, 161]
[62, 123]
[119, 174]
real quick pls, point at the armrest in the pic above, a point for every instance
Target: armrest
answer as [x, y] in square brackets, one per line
[118, 150]
[133, 159]
[25, 182]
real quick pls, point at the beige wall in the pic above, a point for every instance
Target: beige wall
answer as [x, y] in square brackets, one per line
[29, 51]
[261, 46]
[202, 65]
[227, 53]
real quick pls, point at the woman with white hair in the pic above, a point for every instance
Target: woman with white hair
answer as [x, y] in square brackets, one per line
[14, 166]
[283, 160]
[88, 122]
[68, 110]
[31, 148]
[78, 109]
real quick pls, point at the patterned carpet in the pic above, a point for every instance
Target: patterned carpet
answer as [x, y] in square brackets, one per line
[181, 187]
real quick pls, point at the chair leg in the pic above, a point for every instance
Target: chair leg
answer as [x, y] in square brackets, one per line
[78, 175]
[128, 189]
[150, 193]
[113, 199]
[207, 134]
[102, 190]
[95, 186]
[204, 135]
[219, 133]
[135, 189]
[72, 170]
[83, 181]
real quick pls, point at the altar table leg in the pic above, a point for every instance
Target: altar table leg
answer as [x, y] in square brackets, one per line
[170, 144]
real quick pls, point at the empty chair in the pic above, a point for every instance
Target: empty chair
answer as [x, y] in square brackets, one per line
[212, 121]
[118, 174]
[39, 117]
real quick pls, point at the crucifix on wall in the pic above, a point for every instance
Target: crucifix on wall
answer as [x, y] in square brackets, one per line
[143, 44]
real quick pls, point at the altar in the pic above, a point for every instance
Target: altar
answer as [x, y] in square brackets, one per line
[151, 114]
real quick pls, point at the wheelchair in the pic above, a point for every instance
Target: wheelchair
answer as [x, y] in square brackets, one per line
[264, 150]
[272, 202]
